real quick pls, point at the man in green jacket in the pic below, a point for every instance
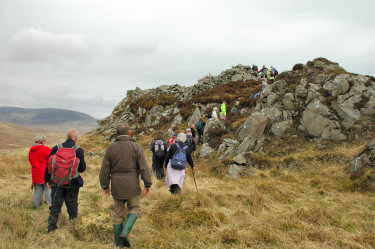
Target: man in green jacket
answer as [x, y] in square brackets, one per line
[122, 164]
[223, 109]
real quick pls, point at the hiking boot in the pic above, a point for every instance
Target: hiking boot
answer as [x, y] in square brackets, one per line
[128, 225]
[117, 229]
[51, 228]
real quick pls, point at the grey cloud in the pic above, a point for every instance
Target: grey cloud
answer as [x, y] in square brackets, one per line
[137, 48]
[37, 45]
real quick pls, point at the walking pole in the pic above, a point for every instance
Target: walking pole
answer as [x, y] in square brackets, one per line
[195, 181]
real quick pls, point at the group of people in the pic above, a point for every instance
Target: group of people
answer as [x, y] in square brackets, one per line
[268, 73]
[56, 173]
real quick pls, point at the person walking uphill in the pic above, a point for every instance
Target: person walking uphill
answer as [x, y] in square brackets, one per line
[223, 113]
[175, 166]
[159, 151]
[122, 164]
[38, 156]
[65, 163]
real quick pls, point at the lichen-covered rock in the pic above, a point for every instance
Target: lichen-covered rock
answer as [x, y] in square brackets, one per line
[211, 128]
[279, 128]
[195, 117]
[253, 127]
[338, 85]
[240, 159]
[206, 151]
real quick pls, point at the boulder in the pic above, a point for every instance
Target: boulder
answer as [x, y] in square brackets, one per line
[253, 127]
[301, 91]
[231, 151]
[210, 128]
[319, 126]
[272, 115]
[156, 110]
[148, 119]
[338, 85]
[317, 107]
[240, 159]
[176, 121]
[247, 145]
[235, 171]
[366, 158]
[279, 128]
[288, 101]
[195, 117]
[206, 151]
[349, 116]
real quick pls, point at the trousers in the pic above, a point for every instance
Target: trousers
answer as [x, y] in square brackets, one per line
[59, 196]
[39, 189]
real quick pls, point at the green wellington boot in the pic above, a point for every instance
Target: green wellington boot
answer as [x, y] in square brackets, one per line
[128, 225]
[117, 229]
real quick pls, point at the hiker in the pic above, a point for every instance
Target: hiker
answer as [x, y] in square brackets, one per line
[38, 156]
[214, 113]
[254, 68]
[67, 190]
[175, 164]
[171, 140]
[274, 71]
[159, 151]
[190, 140]
[263, 71]
[192, 129]
[122, 164]
[200, 128]
[235, 107]
[223, 108]
[270, 76]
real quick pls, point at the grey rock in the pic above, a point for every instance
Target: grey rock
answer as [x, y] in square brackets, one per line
[211, 125]
[253, 127]
[243, 111]
[148, 120]
[317, 107]
[349, 116]
[359, 162]
[230, 142]
[272, 98]
[301, 91]
[156, 110]
[279, 128]
[206, 151]
[195, 117]
[240, 159]
[247, 144]
[235, 171]
[231, 151]
[288, 101]
[237, 77]
[222, 148]
[176, 121]
[272, 115]
[337, 86]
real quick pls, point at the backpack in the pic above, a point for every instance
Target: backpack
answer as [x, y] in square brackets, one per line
[63, 165]
[159, 148]
[189, 141]
[179, 158]
[198, 126]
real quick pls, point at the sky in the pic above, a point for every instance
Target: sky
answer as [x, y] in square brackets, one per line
[84, 55]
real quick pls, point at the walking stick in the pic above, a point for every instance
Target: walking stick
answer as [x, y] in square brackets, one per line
[195, 181]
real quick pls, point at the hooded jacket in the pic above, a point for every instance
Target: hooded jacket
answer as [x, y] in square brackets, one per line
[38, 156]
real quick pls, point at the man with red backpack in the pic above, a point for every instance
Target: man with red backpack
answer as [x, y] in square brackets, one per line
[64, 165]
[159, 151]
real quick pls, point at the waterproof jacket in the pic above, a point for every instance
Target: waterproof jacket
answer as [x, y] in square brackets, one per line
[75, 182]
[122, 164]
[38, 156]
[173, 149]
[223, 109]
[270, 74]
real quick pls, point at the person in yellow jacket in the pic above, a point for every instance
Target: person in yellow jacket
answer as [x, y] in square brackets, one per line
[270, 75]
[223, 110]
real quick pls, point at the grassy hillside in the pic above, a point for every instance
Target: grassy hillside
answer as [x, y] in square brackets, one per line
[18, 137]
[303, 198]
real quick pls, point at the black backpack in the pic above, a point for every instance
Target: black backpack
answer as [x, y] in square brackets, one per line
[159, 148]
[189, 142]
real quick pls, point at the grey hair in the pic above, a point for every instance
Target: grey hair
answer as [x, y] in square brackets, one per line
[181, 137]
[72, 134]
[40, 138]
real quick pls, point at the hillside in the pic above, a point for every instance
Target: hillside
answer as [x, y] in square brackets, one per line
[19, 137]
[58, 119]
[293, 169]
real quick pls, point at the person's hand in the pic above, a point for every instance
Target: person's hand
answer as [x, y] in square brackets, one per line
[32, 186]
[107, 191]
[48, 186]
[147, 191]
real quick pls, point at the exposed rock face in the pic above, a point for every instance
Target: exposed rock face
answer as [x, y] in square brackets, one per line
[206, 151]
[253, 127]
[279, 128]
[365, 158]
[210, 127]
[195, 117]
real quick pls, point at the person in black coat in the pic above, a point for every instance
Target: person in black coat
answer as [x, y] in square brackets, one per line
[158, 157]
[68, 193]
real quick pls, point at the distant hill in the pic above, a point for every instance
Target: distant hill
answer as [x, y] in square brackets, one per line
[51, 118]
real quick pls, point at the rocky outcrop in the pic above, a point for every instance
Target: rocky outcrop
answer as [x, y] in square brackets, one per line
[211, 129]
[366, 158]
[206, 151]
[195, 117]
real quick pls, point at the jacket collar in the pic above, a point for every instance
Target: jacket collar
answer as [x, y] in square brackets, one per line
[123, 138]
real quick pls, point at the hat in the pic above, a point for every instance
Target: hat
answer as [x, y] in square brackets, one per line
[188, 129]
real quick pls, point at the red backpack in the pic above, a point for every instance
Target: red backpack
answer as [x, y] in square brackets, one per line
[63, 165]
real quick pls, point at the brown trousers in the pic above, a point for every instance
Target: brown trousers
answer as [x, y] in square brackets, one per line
[119, 209]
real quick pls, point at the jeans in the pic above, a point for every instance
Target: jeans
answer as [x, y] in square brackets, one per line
[38, 194]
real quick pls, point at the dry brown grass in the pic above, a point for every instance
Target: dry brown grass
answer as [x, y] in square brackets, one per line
[306, 206]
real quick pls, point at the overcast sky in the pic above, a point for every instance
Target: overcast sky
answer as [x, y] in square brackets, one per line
[84, 54]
